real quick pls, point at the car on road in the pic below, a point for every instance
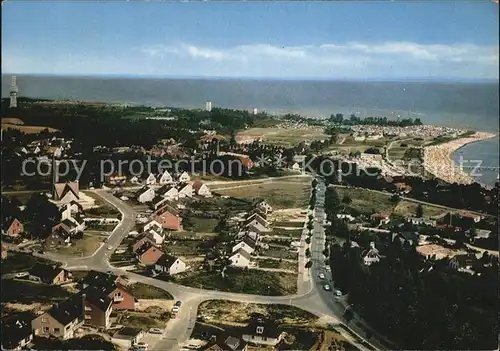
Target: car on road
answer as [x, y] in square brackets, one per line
[327, 287]
[193, 346]
[321, 276]
[156, 331]
[177, 306]
[141, 345]
[110, 247]
[328, 268]
[337, 293]
[21, 275]
[41, 252]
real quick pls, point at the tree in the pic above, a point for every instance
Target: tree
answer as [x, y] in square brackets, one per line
[308, 264]
[310, 226]
[41, 215]
[308, 253]
[395, 198]
[308, 240]
[420, 211]
[346, 199]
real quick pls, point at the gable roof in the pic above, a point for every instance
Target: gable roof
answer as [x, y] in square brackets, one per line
[97, 298]
[197, 185]
[61, 189]
[258, 217]
[165, 188]
[45, 271]
[142, 190]
[242, 253]
[249, 241]
[14, 330]
[166, 260]
[146, 247]
[67, 311]
[266, 327]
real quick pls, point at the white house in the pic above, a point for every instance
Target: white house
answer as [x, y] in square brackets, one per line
[422, 221]
[158, 202]
[184, 178]
[240, 258]
[165, 178]
[257, 217]
[156, 237]
[151, 179]
[145, 194]
[186, 191]
[170, 265]
[371, 256]
[247, 233]
[296, 167]
[169, 192]
[135, 180]
[201, 189]
[345, 216]
[257, 225]
[265, 207]
[246, 244]
[262, 331]
[153, 225]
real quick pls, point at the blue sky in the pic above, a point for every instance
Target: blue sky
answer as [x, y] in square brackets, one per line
[324, 40]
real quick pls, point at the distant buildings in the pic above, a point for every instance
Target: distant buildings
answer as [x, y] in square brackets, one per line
[208, 106]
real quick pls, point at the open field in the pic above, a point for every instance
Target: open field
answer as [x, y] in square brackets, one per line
[244, 281]
[409, 208]
[285, 136]
[277, 194]
[27, 129]
[12, 120]
[292, 233]
[280, 264]
[82, 247]
[20, 262]
[152, 317]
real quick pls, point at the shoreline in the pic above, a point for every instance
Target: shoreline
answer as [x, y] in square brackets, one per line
[438, 159]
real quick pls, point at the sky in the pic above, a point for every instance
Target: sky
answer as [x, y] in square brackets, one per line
[388, 40]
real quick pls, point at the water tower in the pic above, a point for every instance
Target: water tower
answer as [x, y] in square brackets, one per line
[13, 93]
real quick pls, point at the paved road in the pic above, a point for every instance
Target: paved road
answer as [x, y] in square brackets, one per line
[311, 296]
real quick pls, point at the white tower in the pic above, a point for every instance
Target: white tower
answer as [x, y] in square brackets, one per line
[208, 106]
[13, 93]
[255, 111]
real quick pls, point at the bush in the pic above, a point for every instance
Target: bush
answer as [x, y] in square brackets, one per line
[308, 264]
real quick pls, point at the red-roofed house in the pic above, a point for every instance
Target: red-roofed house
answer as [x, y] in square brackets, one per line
[148, 254]
[13, 227]
[169, 221]
[201, 189]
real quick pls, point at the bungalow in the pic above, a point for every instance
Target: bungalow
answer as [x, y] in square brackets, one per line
[112, 287]
[158, 202]
[240, 258]
[265, 207]
[148, 254]
[49, 274]
[230, 344]
[257, 217]
[60, 236]
[151, 179]
[153, 225]
[145, 194]
[371, 256]
[16, 333]
[184, 178]
[201, 189]
[186, 190]
[135, 180]
[169, 192]
[246, 244]
[169, 220]
[255, 228]
[61, 320]
[262, 331]
[13, 227]
[165, 178]
[170, 265]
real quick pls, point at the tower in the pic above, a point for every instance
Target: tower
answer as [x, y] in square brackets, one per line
[208, 106]
[13, 93]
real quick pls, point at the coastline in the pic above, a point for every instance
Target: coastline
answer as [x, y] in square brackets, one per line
[438, 159]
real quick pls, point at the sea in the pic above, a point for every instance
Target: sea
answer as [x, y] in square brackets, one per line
[471, 105]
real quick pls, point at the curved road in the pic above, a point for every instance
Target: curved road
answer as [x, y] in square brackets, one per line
[311, 295]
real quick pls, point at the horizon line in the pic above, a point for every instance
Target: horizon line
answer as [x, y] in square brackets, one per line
[331, 79]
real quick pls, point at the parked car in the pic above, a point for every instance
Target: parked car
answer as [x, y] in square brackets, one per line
[156, 331]
[327, 287]
[337, 293]
[321, 276]
[141, 346]
[178, 303]
[110, 247]
[22, 274]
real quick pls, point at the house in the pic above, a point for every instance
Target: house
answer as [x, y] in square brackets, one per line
[145, 194]
[185, 190]
[61, 320]
[60, 236]
[111, 286]
[380, 219]
[13, 227]
[475, 218]
[422, 221]
[262, 331]
[135, 180]
[258, 211]
[116, 179]
[153, 225]
[169, 192]
[70, 225]
[347, 217]
[265, 207]
[148, 254]
[246, 244]
[231, 343]
[151, 179]
[240, 258]
[127, 337]
[158, 202]
[49, 274]
[464, 263]
[184, 178]
[16, 333]
[165, 178]
[66, 192]
[246, 233]
[478, 233]
[257, 224]
[411, 238]
[201, 189]
[70, 210]
[169, 220]
[143, 239]
[170, 265]
[257, 217]
[296, 167]
[97, 307]
[371, 256]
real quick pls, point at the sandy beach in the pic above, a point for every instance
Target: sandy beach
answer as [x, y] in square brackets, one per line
[438, 159]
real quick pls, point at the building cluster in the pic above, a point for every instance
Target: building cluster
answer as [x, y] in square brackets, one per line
[46, 149]
[374, 132]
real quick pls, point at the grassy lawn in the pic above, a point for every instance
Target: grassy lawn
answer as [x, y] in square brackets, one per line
[292, 233]
[184, 247]
[269, 263]
[20, 262]
[277, 253]
[203, 225]
[367, 202]
[409, 208]
[144, 291]
[244, 281]
[104, 209]
[280, 195]
[152, 317]
[20, 291]
[82, 247]
[285, 136]
[288, 224]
